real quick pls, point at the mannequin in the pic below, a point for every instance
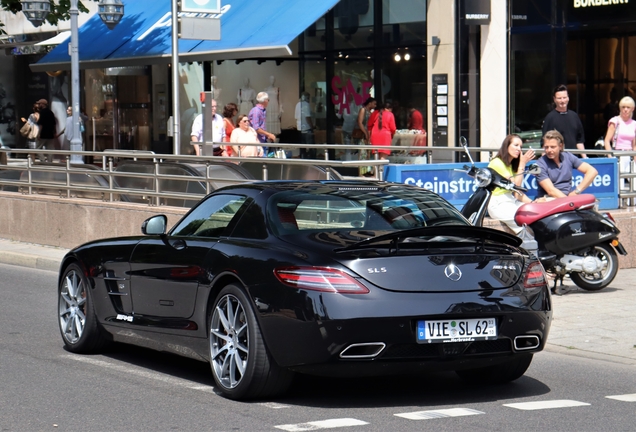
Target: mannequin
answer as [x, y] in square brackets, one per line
[216, 90]
[275, 108]
[386, 86]
[246, 97]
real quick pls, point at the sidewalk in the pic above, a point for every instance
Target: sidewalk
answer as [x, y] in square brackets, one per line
[586, 324]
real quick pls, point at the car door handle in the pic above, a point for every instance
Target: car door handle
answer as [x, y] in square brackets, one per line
[178, 244]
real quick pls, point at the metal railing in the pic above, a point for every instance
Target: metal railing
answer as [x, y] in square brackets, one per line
[66, 177]
[111, 191]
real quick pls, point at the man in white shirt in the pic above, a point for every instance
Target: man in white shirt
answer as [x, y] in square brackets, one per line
[305, 126]
[218, 131]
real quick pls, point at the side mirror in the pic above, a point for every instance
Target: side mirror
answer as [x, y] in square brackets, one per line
[534, 169]
[155, 225]
[464, 143]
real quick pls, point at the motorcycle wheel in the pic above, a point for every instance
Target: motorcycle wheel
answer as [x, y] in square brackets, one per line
[598, 281]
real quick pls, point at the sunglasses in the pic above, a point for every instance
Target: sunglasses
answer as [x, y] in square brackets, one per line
[245, 121]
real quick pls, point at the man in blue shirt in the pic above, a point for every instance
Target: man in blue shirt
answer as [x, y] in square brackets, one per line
[555, 179]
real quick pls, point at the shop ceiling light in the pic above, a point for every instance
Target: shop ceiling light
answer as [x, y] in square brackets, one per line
[111, 12]
[35, 10]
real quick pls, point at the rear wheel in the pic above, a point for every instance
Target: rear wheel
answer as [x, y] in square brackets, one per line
[241, 365]
[498, 374]
[78, 324]
[598, 280]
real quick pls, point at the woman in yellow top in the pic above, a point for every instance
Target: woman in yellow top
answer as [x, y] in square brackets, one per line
[510, 160]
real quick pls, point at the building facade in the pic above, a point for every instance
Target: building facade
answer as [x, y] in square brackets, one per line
[473, 68]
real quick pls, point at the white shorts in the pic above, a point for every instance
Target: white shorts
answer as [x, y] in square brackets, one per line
[503, 207]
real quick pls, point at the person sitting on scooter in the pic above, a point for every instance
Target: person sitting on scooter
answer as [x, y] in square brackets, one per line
[509, 162]
[555, 179]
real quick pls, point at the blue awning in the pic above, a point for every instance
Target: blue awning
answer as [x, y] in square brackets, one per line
[249, 28]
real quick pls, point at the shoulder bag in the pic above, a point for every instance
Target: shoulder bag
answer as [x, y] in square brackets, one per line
[615, 138]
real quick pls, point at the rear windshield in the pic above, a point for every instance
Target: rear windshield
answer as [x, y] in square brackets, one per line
[382, 208]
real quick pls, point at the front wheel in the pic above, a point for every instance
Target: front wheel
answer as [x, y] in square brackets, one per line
[241, 365]
[76, 313]
[598, 280]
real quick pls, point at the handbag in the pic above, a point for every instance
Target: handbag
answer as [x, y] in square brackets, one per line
[26, 129]
[357, 134]
[615, 138]
[34, 132]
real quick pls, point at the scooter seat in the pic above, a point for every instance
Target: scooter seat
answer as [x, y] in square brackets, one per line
[532, 212]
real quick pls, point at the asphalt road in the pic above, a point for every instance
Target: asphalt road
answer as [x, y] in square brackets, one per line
[45, 388]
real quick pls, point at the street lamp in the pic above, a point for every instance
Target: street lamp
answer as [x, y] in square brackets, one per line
[110, 11]
[36, 11]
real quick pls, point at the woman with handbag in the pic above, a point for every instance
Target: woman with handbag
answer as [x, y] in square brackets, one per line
[32, 131]
[621, 134]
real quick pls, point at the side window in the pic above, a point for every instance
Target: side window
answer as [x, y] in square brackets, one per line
[211, 217]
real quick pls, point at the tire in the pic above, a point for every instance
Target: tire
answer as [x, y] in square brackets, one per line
[498, 374]
[241, 365]
[78, 324]
[598, 281]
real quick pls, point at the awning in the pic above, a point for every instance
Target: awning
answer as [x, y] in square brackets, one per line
[57, 39]
[249, 28]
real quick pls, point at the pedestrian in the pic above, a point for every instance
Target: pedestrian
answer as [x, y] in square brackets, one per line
[567, 122]
[305, 126]
[229, 111]
[555, 178]
[361, 132]
[381, 128]
[48, 127]
[245, 134]
[218, 132]
[363, 118]
[34, 132]
[510, 162]
[621, 135]
[258, 119]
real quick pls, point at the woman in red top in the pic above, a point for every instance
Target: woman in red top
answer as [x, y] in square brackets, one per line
[229, 111]
[382, 127]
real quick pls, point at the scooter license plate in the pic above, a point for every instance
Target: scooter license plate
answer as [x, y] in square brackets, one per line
[459, 330]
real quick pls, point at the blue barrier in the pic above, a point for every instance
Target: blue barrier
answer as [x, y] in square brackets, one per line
[457, 187]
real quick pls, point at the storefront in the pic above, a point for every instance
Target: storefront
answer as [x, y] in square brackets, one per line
[589, 45]
[126, 86]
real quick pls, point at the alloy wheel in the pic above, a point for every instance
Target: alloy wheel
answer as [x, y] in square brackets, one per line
[72, 307]
[229, 341]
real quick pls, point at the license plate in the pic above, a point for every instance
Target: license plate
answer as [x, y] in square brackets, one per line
[459, 330]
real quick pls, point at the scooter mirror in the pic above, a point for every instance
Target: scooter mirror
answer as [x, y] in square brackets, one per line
[534, 169]
[464, 142]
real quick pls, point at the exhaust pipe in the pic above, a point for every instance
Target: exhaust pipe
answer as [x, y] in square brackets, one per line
[363, 350]
[526, 342]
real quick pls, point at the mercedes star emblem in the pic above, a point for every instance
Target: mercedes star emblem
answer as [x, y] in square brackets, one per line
[453, 272]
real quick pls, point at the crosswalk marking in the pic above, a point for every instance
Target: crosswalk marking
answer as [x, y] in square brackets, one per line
[442, 413]
[562, 403]
[624, 398]
[322, 424]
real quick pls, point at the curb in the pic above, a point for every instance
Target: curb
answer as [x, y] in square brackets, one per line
[30, 261]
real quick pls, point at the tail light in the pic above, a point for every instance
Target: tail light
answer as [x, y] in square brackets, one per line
[535, 276]
[609, 216]
[320, 279]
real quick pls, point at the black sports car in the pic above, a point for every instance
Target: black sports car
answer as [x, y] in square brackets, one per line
[323, 277]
